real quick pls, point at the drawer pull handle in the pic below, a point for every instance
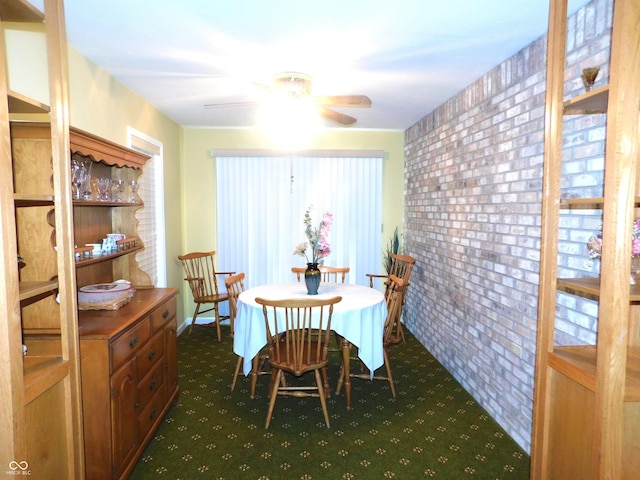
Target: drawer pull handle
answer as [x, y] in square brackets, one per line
[137, 405]
[133, 342]
[152, 385]
[152, 354]
[153, 413]
[165, 314]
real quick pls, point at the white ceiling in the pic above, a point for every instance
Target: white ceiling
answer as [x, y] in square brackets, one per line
[408, 56]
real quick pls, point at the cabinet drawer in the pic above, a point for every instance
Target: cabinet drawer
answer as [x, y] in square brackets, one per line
[129, 343]
[151, 413]
[149, 355]
[163, 313]
[150, 384]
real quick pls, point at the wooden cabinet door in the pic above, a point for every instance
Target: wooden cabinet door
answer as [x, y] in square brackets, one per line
[171, 358]
[124, 411]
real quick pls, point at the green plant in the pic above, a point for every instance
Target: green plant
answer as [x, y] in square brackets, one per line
[392, 247]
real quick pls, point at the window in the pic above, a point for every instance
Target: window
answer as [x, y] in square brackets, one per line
[152, 260]
[261, 203]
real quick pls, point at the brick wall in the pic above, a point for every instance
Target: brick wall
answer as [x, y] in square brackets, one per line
[473, 182]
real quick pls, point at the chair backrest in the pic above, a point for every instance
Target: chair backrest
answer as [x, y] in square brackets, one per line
[299, 271]
[333, 274]
[394, 295]
[235, 286]
[200, 274]
[401, 265]
[298, 332]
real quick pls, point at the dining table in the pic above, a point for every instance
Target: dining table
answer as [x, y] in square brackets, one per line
[358, 320]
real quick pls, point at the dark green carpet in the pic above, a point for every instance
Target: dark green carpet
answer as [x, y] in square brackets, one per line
[433, 429]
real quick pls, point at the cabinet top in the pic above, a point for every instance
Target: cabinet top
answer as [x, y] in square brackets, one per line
[105, 324]
[85, 144]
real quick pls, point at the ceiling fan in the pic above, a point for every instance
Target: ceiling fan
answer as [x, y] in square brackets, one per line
[297, 86]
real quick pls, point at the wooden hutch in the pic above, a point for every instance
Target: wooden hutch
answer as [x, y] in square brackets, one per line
[587, 397]
[93, 385]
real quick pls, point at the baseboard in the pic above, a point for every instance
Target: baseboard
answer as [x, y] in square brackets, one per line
[199, 321]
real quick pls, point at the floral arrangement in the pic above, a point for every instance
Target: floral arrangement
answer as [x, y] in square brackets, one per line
[317, 238]
[594, 245]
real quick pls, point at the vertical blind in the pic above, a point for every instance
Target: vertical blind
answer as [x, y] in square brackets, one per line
[261, 202]
[151, 217]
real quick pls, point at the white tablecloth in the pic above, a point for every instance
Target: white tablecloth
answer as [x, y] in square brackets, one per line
[359, 318]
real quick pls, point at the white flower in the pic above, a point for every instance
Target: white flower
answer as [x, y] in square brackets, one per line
[301, 249]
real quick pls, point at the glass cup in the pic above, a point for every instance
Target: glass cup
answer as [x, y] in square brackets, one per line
[133, 188]
[103, 187]
[80, 176]
[589, 76]
[118, 188]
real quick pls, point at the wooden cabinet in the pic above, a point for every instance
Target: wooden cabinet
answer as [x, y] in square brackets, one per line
[40, 410]
[124, 428]
[129, 378]
[587, 397]
[126, 358]
[129, 355]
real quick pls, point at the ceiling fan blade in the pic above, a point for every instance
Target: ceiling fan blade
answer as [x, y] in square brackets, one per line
[230, 104]
[336, 117]
[343, 100]
[262, 86]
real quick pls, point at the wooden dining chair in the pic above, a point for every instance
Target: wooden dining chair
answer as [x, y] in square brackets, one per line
[333, 274]
[401, 266]
[235, 286]
[329, 274]
[298, 336]
[299, 271]
[202, 277]
[395, 291]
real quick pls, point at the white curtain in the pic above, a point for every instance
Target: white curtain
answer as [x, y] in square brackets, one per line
[261, 202]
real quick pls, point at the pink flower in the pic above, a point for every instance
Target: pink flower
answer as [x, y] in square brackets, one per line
[318, 238]
[594, 244]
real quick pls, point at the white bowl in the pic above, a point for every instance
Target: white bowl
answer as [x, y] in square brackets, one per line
[102, 292]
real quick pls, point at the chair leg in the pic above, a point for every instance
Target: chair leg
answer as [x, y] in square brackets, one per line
[325, 383]
[400, 332]
[399, 329]
[323, 400]
[193, 319]
[217, 319]
[397, 336]
[340, 379]
[345, 372]
[389, 376]
[236, 373]
[272, 400]
[255, 365]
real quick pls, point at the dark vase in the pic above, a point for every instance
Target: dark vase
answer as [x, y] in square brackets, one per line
[312, 278]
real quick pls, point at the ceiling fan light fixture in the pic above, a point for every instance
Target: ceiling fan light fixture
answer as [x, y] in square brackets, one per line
[291, 93]
[289, 121]
[293, 83]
